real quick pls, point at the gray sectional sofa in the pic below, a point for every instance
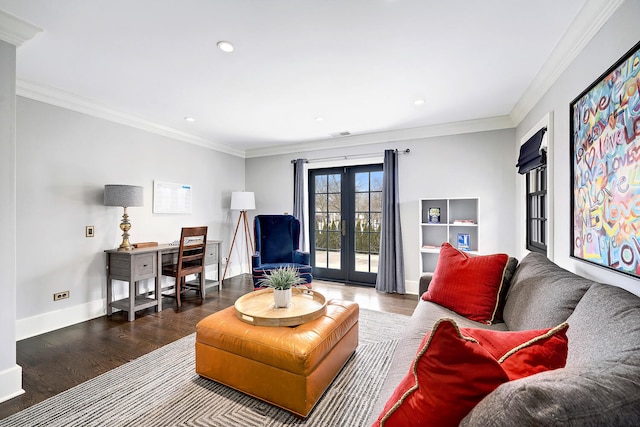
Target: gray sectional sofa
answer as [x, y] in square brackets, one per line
[600, 384]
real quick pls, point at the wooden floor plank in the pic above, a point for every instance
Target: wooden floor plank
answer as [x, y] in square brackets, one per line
[56, 361]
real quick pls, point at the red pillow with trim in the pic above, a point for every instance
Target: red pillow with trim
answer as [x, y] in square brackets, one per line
[455, 369]
[468, 285]
[524, 353]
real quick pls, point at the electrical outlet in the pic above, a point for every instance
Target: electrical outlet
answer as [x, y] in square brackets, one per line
[60, 295]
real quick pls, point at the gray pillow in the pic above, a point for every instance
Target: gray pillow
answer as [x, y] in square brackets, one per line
[542, 295]
[600, 385]
[563, 397]
[507, 277]
[605, 327]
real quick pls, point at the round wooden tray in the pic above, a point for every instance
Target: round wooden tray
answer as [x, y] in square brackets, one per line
[258, 308]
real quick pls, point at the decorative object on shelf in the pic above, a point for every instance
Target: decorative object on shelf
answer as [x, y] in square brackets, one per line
[282, 279]
[464, 242]
[125, 196]
[604, 169]
[434, 215]
[464, 222]
[242, 201]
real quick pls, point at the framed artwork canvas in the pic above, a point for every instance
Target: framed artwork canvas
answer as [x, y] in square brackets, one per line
[605, 168]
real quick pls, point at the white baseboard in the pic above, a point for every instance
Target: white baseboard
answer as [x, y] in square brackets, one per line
[411, 287]
[47, 322]
[50, 321]
[11, 383]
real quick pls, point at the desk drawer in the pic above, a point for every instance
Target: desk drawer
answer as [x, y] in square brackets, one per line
[144, 266]
[119, 266]
[211, 256]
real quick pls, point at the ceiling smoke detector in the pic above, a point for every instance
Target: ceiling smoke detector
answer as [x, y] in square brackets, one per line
[339, 134]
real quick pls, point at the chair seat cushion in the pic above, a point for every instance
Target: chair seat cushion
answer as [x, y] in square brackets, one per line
[272, 266]
[304, 270]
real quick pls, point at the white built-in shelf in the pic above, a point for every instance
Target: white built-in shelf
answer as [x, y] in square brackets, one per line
[458, 216]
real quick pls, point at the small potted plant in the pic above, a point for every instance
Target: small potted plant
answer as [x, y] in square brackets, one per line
[282, 279]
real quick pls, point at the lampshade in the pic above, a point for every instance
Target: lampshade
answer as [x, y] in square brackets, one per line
[243, 201]
[123, 195]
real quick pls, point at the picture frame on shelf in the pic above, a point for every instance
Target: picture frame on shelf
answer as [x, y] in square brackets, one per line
[605, 167]
[464, 242]
[434, 215]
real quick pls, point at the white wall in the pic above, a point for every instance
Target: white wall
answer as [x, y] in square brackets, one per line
[467, 165]
[616, 37]
[64, 159]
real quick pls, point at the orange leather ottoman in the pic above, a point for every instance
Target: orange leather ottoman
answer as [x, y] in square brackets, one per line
[289, 367]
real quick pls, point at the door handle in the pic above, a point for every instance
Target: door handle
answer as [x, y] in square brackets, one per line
[344, 228]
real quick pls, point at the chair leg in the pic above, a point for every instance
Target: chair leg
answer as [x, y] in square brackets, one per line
[202, 285]
[179, 291]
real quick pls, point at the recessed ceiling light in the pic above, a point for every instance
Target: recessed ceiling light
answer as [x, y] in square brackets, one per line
[226, 46]
[318, 119]
[190, 119]
[419, 102]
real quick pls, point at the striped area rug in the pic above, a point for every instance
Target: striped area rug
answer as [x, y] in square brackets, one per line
[162, 389]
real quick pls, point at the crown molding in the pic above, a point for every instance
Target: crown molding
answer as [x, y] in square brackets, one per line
[49, 95]
[593, 15]
[456, 128]
[15, 30]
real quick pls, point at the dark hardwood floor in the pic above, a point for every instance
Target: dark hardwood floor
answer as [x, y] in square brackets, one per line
[58, 360]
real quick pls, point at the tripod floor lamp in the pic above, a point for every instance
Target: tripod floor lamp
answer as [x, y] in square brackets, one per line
[242, 201]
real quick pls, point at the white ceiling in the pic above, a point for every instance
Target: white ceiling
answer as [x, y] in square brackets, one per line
[358, 64]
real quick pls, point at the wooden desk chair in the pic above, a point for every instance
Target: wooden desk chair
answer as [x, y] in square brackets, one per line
[191, 254]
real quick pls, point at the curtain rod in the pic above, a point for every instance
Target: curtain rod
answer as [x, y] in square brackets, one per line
[352, 156]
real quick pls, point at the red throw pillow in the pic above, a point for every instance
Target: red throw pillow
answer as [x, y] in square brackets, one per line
[468, 285]
[454, 369]
[524, 353]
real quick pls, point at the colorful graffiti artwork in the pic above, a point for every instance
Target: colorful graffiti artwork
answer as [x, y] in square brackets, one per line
[605, 168]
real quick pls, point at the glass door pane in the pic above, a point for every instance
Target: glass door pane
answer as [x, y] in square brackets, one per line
[367, 217]
[327, 223]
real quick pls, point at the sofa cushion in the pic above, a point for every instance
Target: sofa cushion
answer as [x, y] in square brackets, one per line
[600, 384]
[509, 271]
[455, 368]
[606, 328]
[542, 294]
[468, 285]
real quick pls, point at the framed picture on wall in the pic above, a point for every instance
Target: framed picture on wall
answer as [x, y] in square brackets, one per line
[605, 168]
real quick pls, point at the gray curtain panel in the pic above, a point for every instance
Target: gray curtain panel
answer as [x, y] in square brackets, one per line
[391, 265]
[299, 198]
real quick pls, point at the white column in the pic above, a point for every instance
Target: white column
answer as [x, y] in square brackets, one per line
[13, 32]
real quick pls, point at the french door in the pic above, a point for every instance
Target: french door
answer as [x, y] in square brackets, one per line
[346, 206]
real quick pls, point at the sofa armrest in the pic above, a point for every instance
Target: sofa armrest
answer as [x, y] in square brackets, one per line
[425, 280]
[300, 257]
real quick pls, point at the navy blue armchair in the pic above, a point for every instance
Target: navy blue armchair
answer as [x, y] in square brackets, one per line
[277, 245]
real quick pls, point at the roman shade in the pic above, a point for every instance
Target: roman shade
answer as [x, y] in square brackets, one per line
[533, 153]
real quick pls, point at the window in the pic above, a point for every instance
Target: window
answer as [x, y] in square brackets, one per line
[532, 163]
[536, 194]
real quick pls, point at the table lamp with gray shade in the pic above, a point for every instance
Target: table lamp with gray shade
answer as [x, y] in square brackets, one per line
[125, 196]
